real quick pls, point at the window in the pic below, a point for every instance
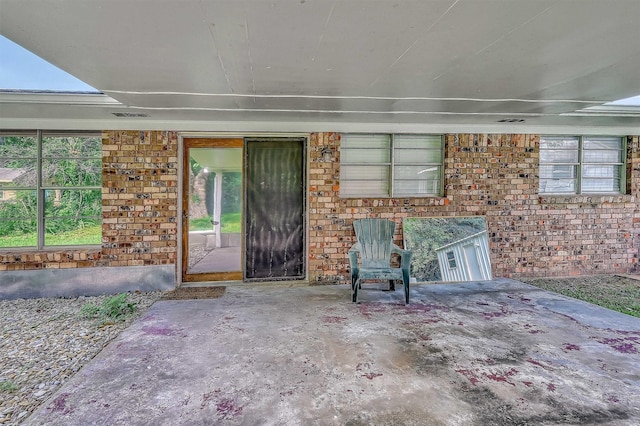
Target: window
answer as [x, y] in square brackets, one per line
[582, 165]
[451, 259]
[380, 165]
[52, 185]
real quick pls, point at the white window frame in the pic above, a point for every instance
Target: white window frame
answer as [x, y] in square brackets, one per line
[41, 187]
[579, 166]
[389, 181]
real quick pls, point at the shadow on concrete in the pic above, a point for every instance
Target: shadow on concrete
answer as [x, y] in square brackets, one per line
[492, 353]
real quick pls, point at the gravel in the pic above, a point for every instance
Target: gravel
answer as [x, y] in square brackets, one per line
[43, 342]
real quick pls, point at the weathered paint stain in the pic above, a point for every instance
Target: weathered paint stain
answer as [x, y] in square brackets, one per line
[503, 377]
[333, 320]
[368, 309]
[622, 345]
[470, 375]
[227, 408]
[157, 330]
[60, 404]
[539, 364]
[372, 376]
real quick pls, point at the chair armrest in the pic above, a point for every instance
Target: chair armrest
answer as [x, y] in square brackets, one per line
[405, 256]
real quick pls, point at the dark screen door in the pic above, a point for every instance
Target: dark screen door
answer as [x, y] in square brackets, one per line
[274, 209]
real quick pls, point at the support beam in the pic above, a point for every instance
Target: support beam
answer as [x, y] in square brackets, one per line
[217, 208]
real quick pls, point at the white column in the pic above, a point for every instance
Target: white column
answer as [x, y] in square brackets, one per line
[217, 207]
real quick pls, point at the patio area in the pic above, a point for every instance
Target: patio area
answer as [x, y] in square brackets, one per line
[488, 353]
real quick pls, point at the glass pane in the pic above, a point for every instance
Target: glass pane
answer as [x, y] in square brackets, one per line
[558, 186]
[363, 189]
[18, 214]
[349, 172]
[72, 147]
[18, 161]
[418, 141]
[413, 156]
[562, 143]
[365, 141]
[422, 187]
[558, 156]
[71, 231]
[590, 171]
[365, 156]
[18, 147]
[600, 185]
[602, 143]
[602, 156]
[417, 172]
[65, 203]
[215, 210]
[557, 172]
[72, 172]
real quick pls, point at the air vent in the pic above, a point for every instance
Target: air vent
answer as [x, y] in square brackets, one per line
[511, 120]
[130, 114]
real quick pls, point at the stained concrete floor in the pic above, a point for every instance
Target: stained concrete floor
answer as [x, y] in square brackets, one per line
[494, 353]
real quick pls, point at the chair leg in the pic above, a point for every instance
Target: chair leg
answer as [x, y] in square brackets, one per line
[392, 285]
[354, 291]
[405, 281]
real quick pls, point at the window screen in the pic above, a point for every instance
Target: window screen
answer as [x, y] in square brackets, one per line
[581, 165]
[373, 165]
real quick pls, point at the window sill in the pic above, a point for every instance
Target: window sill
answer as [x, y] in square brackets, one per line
[53, 249]
[584, 198]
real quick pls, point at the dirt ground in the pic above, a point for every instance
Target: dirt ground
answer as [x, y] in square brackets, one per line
[617, 292]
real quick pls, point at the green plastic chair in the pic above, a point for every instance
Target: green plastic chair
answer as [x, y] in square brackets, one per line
[375, 245]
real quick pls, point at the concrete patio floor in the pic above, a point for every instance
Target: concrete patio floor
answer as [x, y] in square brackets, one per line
[492, 353]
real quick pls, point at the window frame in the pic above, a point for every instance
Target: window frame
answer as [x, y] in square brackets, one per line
[580, 163]
[391, 166]
[452, 261]
[41, 188]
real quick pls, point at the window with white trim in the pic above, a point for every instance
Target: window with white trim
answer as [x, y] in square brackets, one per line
[397, 165]
[582, 165]
[52, 184]
[451, 259]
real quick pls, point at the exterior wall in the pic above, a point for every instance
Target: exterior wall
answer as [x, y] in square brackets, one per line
[139, 208]
[491, 175]
[140, 198]
[495, 176]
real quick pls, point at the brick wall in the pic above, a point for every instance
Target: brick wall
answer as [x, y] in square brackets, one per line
[491, 175]
[139, 198]
[139, 203]
[495, 176]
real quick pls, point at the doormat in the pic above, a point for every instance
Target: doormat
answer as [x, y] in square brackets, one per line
[188, 293]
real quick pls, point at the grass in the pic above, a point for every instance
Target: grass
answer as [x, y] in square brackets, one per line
[610, 291]
[6, 386]
[86, 235]
[115, 308]
[231, 223]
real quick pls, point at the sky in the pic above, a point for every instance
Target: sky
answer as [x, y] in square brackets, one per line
[22, 70]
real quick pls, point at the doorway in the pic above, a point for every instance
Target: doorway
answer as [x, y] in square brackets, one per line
[243, 202]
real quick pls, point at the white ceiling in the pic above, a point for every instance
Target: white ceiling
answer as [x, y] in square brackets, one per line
[369, 64]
